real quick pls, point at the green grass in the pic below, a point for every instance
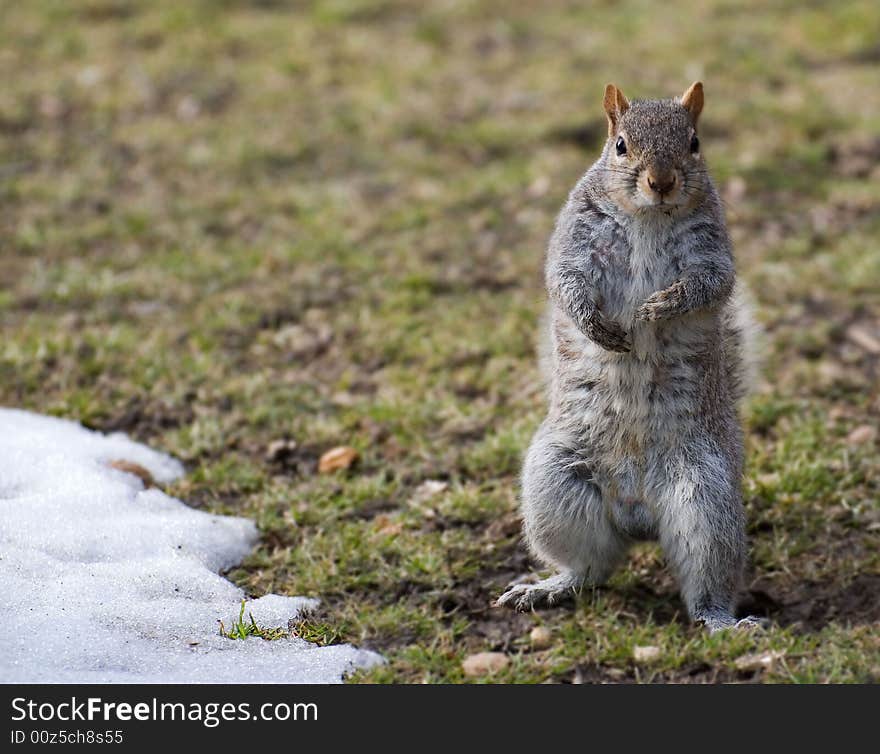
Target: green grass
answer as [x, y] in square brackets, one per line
[243, 629]
[227, 223]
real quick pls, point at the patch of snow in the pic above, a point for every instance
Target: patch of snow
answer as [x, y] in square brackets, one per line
[104, 581]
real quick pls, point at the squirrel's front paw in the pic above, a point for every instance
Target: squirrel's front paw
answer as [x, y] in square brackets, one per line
[661, 305]
[609, 335]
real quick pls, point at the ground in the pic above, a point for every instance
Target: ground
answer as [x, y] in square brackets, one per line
[226, 224]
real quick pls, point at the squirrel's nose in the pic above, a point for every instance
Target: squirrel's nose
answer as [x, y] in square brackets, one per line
[661, 184]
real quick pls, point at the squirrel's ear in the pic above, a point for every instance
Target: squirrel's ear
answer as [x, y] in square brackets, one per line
[615, 106]
[692, 100]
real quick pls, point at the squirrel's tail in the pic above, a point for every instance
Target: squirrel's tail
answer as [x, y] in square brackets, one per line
[742, 337]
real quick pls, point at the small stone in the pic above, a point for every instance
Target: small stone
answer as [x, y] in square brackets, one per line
[336, 459]
[646, 654]
[862, 435]
[864, 337]
[835, 373]
[758, 660]
[134, 468]
[428, 489]
[385, 525]
[484, 663]
[541, 637]
[303, 341]
[278, 450]
[769, 480]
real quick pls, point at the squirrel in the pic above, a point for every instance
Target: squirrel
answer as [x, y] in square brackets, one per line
[649, 351]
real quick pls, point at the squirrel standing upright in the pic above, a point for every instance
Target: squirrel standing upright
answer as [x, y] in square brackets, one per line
[649, 354]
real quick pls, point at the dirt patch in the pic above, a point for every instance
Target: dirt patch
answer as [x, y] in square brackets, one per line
[699, 672]
[143, 418]
[490, 628]
[857, 159]
[812, 605]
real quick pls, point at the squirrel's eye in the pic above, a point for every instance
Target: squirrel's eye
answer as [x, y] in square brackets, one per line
[695, 144]
[620, 146]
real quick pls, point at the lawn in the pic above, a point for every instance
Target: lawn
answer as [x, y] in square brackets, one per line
[225, 224]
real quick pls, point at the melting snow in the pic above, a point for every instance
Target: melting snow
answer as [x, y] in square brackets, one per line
[105, 581]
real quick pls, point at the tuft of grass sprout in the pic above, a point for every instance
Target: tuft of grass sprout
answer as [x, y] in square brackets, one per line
[244, 629]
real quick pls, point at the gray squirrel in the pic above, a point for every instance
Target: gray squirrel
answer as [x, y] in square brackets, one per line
[649, 350]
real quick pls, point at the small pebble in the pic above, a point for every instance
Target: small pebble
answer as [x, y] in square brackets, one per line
[758, 660]
[280, 449]
[484, 663]
[541, 637]
[862, 435]
[646, 654]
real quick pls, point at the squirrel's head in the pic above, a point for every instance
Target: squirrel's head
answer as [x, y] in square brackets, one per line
[652, 157]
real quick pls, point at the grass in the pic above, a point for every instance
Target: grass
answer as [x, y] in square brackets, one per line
[242, 629]
[228, 223]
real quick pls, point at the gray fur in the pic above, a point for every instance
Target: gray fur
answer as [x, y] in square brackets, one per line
[646, 362]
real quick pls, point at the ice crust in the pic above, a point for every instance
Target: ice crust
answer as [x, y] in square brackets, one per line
[103, 581]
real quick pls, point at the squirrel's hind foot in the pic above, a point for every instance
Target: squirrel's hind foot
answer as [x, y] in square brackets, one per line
[549, 592]
[749, 623]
